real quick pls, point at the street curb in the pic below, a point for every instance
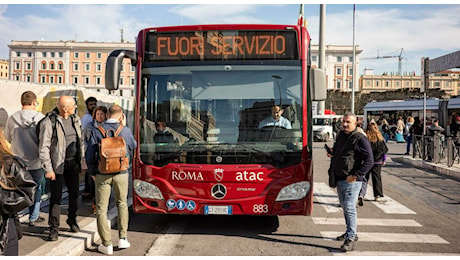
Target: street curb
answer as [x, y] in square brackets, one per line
[76, 243]
[441, 169]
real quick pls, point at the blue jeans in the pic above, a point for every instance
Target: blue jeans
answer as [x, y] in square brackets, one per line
[348, 195]
[34, 209]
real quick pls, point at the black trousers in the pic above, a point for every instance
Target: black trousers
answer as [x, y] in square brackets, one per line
[375, 174]
[70, 179]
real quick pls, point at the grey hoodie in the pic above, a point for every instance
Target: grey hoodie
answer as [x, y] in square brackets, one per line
[20, 132]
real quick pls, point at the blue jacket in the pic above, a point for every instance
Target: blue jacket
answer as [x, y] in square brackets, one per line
[96, 137]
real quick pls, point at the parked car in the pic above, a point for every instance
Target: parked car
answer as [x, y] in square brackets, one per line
[322, 127]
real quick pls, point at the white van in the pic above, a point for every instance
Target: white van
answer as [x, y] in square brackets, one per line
[322, 127]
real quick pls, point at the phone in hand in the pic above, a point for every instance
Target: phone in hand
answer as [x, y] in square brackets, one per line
[328, 149]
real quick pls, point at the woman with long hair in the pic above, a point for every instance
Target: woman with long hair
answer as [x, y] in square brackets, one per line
[379, 150]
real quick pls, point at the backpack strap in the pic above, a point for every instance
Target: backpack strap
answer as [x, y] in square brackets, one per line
[102, 130]
[120, 127]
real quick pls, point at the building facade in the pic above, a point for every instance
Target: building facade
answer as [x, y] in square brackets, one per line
[68, 63]
[4, 65]
[448, 81]
[339, 66]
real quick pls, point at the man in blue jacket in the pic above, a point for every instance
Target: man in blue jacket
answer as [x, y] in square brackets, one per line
[351, 159]
[104, 182]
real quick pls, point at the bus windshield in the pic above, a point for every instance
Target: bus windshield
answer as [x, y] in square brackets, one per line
[220, 113]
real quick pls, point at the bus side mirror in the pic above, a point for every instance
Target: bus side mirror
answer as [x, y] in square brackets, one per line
[318, 84]
[114, 65]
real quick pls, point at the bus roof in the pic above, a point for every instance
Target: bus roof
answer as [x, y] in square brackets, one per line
[412, 104]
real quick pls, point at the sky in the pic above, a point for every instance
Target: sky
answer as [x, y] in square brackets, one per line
[411, 31]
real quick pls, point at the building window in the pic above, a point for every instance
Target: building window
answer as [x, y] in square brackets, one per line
[44, 65]
[132, 81]
[61, 54]
[350, 58]
[121, 81]
[377, 83]
[87, 66]
[368, 83]
[28, 78]
[52, 54]
[44, 54]
[350, 84]
[75, 80]
[75, 55]
[387, 83]
[60, 80]
[314, 58]
[339, 58]
[338, 84]
[43, 79]
[99, 55]
[98, 66]
[98, 80]
[75, 66]
[51, 79]
[51, 66]
[87, 55]
[18, 54]
[60, 66]
[338, 71]
[446, 84]
[437, 84]
[17, 65]
[28, 66]
[131, 68]
[417, 84]
[350, 71]
[17, 77]
[122, 67]
[29, 54]
[86, 80]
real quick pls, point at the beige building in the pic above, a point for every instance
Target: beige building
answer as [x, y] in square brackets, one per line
[4, 64]
[339, 66]
[68, 63]
[449, 81]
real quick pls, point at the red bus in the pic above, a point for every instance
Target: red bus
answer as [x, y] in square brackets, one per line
[211, 86]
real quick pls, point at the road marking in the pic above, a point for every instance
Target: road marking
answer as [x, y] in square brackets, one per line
[164, 245]
[326, 197]
[390, 237]
[388, 205]
[369, 222]
[391, 253]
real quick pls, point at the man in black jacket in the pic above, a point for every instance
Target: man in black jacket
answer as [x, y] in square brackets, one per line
[351, 159]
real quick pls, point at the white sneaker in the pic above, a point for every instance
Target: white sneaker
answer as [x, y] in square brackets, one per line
[123, 243]
[107, 250]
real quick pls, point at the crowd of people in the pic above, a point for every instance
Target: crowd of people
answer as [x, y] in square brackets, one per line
[58, 146]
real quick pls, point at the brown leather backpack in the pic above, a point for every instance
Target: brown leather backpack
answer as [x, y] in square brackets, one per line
[113, 156]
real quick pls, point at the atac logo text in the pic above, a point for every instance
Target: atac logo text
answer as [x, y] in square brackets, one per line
[181, 175]
[249, 176]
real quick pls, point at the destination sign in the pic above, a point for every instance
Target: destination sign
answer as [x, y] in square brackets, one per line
[221, 45]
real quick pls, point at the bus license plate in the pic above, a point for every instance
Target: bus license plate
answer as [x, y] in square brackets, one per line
[217, 210]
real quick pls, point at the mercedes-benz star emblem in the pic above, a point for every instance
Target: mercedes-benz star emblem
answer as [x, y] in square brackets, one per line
[218, 191]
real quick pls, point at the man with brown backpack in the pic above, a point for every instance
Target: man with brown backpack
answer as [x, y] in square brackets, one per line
[108, 152]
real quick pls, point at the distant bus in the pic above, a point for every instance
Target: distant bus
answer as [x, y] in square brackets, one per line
[390, 110]
[212, 85]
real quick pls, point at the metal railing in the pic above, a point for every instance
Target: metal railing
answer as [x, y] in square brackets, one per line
[436, 149]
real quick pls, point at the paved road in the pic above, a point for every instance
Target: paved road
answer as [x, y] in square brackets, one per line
[420, 217]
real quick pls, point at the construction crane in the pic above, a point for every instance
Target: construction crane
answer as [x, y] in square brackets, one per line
[400, 58]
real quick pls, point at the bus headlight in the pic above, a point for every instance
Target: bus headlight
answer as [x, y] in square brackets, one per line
[295, 191]
[147, 190]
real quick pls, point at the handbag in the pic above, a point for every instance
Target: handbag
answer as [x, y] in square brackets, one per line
[332, 182]
[17, 186]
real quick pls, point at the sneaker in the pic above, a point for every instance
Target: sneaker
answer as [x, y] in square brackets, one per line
[360, 201]
[40, 219]
[73, 226]
[348, 245]
[342, 237]
[123, 243]
[106, 250]
[378, 199]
